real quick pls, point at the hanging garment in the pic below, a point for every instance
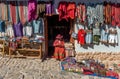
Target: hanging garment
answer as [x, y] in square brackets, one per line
[21, 12]
[40, 9]
[113, 15]
[96, 35]
[27, 31]
[4, 10]
[113, 37]
[32, 9]
[38, 26]
[25, 10]
[0, 10]
[104, 33]
[13, 12]
[62, 9]
[2, 26]
[9, 11]
[88, 37]
[108, 13]
[18, 30]
[78, 26]
[10, 31]
[99, 13]
[71, 10]
[117, 15]
[81, 36]
[91, 13]
[48, 9]
[81, 12]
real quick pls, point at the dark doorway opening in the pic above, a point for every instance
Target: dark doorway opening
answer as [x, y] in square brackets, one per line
[56, 27]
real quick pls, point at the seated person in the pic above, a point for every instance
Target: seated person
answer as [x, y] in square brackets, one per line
[59, 50]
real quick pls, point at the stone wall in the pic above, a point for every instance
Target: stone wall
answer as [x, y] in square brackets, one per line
[106, 58]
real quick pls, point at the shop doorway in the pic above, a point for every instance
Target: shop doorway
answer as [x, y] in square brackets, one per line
[54, 27]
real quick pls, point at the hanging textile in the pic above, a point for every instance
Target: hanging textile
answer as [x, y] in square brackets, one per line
[38, 26]
[18, 30]
[91, 13]
[2, 26]
[25, 10]
[66, 10]
[71, 10]
[62, 9]
[81, 36]
[4, 10]
[40, 9]
[27, 30]
[99, 12]
[10, 31]
[107, 13]
[0, 10]
[32, 9]
[49, 9]
[13, 13]
[81, 12]
[21, 12]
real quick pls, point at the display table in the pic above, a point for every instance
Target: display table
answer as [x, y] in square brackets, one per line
[26, 49]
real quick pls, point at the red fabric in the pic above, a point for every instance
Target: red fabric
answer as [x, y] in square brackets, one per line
[117, 14]
[13, 12]
[71, 10]
[62, 9]
[113, 15]
[81, 12]
[87, 71]
[81, 36]
[59, 52]
[112, 74]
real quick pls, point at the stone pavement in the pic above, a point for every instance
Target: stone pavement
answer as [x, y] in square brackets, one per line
[18, 68]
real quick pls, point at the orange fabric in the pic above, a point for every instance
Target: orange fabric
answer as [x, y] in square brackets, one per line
[21, 12]
[108, 13]
[71, 10]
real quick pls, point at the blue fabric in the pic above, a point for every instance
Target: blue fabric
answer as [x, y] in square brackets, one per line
[2, 26]
[88, 38]
[37, 26]
[104, 35]
[104, 77]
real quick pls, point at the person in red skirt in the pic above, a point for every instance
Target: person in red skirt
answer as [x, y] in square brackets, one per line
[59, 50]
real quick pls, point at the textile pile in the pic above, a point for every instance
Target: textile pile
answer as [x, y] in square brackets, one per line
[90, 67]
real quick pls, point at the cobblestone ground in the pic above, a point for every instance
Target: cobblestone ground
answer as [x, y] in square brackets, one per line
[18, 68]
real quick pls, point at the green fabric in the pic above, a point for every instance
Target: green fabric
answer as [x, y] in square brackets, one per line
[96, 39]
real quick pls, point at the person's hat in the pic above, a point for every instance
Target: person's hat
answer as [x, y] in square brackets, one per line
[59, 36]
